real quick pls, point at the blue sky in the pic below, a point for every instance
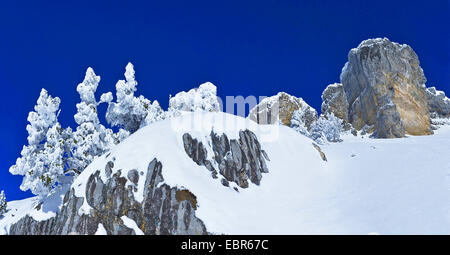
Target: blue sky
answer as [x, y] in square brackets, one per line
[244, 47]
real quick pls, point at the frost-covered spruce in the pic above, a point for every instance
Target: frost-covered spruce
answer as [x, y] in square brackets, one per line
[91, 138]
[42, 160]
[326, 129]
[154, 113]
[203, 98]
[2, 203]
[298, 124]
[130, 112]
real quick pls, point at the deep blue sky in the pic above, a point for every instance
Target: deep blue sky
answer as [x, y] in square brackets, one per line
[244, 47]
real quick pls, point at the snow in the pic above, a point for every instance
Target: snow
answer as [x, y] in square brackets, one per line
[131, 224]
[38, 209]
[106, 97]
[15, 211]
[440, 121]
[393, 186]
[389, 186]
[101, 230]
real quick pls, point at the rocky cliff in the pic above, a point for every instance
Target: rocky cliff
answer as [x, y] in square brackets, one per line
[384, 90]
[164, 210]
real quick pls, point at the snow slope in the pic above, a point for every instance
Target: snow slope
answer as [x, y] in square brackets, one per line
[39, 210]
[394, 186]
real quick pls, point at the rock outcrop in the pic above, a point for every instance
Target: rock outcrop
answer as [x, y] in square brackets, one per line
[280, 108]
[438, 103]
[385, 87]
[321, 153]
[164, 210]
[334, 101]
[237, 160]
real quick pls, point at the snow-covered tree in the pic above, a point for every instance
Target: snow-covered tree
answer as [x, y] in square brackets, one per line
[2, 203]
[326, 128]
[91, 138]
[42, 161]
[298, 124]
[203, 98]
[130, 112]
[58, 152]
[154, 113]
[120, 135]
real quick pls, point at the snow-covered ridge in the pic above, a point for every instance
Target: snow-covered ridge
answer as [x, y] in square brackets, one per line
[365, 186]
[163, 140]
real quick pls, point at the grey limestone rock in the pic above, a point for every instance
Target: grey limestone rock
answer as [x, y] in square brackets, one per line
[438, 103]
[385, 87]
[164, 210]
[238, 160]
[334, 101]
[280, 108]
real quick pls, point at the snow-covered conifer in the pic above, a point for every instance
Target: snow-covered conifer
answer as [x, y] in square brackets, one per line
[120, 135]
[298, 124]
[91, 138]
[2, 203]
[326, 128]
[42, 160]
[87, 108]
[203, 98]
[154, 113]
[130, 112]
